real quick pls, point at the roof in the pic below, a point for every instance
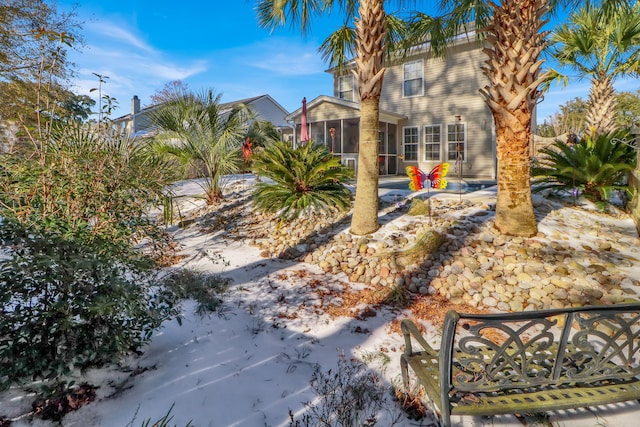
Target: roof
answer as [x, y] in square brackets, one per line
[128, 116]
[223, 106]
[240, 101]
[343, 103]
[248, 101]
[466, 34]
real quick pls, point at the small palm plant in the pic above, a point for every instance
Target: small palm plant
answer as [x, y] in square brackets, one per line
[301, 180]
[594, 167]
[196, 130]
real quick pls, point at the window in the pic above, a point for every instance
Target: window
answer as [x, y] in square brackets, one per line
[334, 142]
[345, 87]
[391, 137]
[413, 79]
[316, 132]
[432, 143]
[456, 142]
[350, 135]
[411, 143]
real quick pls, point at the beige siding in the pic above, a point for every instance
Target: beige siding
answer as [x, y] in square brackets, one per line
[451, 88]
[328, 111]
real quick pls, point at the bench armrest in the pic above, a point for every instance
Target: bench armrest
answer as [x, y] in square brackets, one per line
[409, 331]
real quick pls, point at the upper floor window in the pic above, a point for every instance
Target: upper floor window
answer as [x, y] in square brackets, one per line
[410, 143]
[432, 143]
[345, 87]
[412, 84]
[456, 142]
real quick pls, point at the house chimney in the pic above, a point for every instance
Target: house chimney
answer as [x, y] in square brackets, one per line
[135, 109]
[135, 104]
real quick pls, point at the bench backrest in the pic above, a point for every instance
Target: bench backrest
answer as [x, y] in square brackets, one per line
[529, 349]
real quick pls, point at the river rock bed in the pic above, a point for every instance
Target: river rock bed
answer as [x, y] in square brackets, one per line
[474, 265]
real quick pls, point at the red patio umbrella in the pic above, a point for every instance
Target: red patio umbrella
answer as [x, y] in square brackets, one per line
[304, 129]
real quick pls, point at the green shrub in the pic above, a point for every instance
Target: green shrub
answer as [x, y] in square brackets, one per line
[78, 253]
[594, 167]
[210, 137]
[65, 305]
[87, 184]
[303, 179]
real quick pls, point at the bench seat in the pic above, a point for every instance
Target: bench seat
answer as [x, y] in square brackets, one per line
[514, 363]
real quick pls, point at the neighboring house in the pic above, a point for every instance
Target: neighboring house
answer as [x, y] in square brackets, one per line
[137, 123]
[431, 111]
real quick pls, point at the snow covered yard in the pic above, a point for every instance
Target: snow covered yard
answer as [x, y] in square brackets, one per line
[252, 363]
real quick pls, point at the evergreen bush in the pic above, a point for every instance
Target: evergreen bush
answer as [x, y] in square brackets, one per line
[302, 179]
[593, 167]
[77, 264]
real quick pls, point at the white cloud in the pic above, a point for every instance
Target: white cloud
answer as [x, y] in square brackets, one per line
[279, 66]
[171, 72]
[288, 65]
[114, 31]
[132, 66]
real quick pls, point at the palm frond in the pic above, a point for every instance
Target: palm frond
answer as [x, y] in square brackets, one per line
[277, 13]
[197, 132]
[595, 166]
[339, 47]
[303, 179]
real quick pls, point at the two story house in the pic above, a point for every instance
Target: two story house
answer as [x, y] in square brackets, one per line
[431, 112]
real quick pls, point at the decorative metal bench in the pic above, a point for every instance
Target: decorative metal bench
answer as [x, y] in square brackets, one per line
[517, 363]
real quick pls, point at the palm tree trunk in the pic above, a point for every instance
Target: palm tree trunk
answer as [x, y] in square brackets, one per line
[365, 211]
[370, 34]
[601, 106]
[515, 43]
[514, 208]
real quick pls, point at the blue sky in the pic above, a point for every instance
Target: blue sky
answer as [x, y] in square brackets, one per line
[142, 45]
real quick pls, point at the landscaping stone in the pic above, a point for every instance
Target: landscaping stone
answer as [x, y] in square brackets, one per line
[474, 265]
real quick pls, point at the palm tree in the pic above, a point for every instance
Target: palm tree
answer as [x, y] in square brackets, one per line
[370, 34]
[513, 37]
[515, 41]
[602, 45]
[197, 132]
[512, 31]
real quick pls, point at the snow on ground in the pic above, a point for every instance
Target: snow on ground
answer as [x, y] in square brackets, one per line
[253, 363]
